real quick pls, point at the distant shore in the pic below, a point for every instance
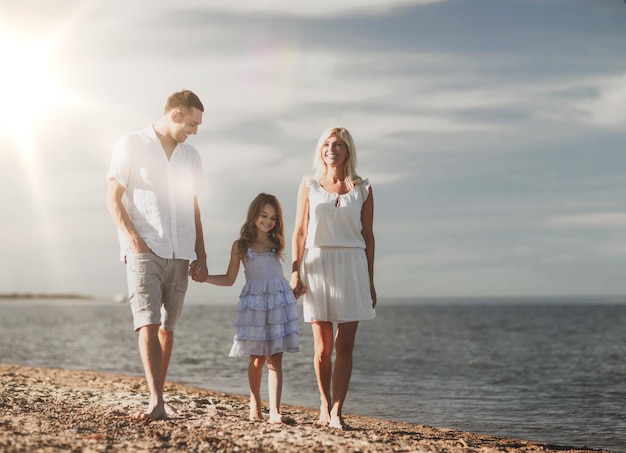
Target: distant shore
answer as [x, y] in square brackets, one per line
[18, 296]
[52, 409]
[68, 297]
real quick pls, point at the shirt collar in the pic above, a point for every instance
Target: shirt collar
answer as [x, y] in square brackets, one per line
[150, 132]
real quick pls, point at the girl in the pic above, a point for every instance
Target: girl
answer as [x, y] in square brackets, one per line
[267, 317]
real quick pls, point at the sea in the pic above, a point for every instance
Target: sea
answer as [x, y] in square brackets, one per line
[543, 369]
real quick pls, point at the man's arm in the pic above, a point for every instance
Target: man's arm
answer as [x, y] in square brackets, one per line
[198, 268]
[116, 208]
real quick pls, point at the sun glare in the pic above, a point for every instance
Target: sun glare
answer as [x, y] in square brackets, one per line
[29, 87]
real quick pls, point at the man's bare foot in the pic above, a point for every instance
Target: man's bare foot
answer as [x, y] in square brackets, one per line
[155, 413]
[170, 410]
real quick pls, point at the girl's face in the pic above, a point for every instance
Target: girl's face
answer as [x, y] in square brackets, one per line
[334, 151]
[266, 221]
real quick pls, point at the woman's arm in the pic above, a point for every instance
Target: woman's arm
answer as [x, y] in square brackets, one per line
[299, 238]
[367, 222]
[228, 279]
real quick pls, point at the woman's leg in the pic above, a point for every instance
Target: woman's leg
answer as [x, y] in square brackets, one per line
[275, 385]
[255, 372]
[342, 371]
[322, 362]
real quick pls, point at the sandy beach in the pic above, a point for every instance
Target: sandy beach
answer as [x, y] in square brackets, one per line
[61, 410]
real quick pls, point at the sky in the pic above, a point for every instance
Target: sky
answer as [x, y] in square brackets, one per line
[493, 133]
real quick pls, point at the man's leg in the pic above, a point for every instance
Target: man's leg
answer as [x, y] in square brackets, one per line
[152, 360]
[145, 272]
[166, 339]
[174, 287]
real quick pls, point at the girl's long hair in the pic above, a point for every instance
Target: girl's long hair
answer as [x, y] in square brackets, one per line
[248, 232]
[318, 160]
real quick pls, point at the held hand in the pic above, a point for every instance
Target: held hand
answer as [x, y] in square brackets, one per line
[294, 280]
[198, 271]
[297, 286]
[299, 290]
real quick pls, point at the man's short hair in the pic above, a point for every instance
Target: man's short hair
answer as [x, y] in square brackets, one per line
[185, 99]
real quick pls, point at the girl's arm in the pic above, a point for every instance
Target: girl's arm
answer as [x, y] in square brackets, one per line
[228, 279]
[299, 238]
[367, 222]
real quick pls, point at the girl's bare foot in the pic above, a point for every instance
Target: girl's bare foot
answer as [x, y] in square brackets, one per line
[255, 412]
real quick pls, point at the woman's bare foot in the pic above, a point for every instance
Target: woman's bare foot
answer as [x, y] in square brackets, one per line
[337, 422]
[324, 419]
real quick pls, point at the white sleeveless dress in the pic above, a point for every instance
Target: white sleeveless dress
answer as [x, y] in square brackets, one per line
[267, 315]
[334, 265]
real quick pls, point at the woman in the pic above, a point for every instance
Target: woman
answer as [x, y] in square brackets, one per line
[333, 263]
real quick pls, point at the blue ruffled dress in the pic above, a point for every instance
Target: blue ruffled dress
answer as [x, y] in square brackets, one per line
[267, 315]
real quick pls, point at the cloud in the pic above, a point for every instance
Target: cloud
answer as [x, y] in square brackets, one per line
[608, 108]
[492, 133]
[320, 8]
[602, 220]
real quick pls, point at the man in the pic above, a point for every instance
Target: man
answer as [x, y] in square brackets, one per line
[154, 181]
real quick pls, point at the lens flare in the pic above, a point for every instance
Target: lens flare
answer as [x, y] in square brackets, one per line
[29, 88]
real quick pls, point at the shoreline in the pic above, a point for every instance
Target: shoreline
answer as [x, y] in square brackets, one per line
[49, 409]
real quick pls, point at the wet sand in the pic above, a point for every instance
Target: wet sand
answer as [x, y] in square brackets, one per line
[61, 410]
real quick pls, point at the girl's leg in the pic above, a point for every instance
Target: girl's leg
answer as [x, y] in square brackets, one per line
[322, 362]
[344, 345]
[255, 372]
[275, 385]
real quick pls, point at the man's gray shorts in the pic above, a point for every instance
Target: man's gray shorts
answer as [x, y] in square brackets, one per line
[156, 287]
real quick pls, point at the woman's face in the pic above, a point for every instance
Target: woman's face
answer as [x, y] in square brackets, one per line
[334, 151]
[267, 219]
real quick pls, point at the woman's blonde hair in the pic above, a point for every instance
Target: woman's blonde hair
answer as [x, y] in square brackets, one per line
[248, 232]
[318, 160]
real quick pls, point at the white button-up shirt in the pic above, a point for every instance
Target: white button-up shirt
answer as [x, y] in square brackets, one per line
[159, 193]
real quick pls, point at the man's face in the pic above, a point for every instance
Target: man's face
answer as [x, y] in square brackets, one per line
[186, 122]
